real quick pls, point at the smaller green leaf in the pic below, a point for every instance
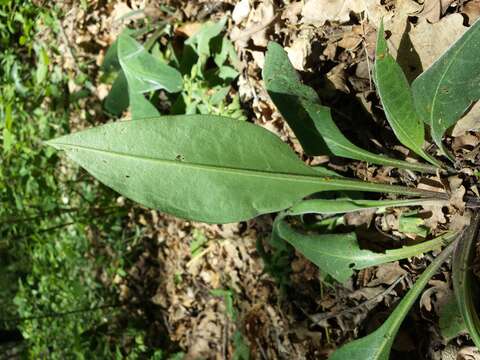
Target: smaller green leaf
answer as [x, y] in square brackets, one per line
[450, 320]
[117, 100]
[312, 122]
[110, 61]
[43, 61]
[144, 73]
[412, 224]
[340, 254]
[464, 284]
[378, 344]
[397, 100]
[323, 206]
[200, 41]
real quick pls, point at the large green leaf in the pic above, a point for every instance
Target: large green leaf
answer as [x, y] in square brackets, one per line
[324, 206]
[312, 122]
[464, 282]
[397, 100]
[378, 344]
[144, 73]
[448, 87]
[204, 168]
[340, 254]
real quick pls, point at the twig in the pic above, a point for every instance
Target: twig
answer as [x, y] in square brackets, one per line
[248, 33]
[225, 337]
[321, 317]
[262, 352]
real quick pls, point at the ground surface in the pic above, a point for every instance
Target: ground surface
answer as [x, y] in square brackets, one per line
[331, 43]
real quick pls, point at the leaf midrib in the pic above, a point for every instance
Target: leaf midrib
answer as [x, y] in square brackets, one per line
[234, 170]
[326, 181]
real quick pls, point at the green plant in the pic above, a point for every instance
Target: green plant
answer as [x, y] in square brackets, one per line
[216, 170]
[194, 86]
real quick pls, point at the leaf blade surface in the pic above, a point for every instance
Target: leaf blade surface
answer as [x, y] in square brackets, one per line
[203, 167]
[340, 254]
[312, 122]
[397, 100]
[445, 90]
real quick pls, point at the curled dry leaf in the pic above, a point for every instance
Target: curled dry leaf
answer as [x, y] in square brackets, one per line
[468, 353]
[387, 274]
[292, 11]
[437, 217]
[298, 52]
[256, 26]
[436, 296]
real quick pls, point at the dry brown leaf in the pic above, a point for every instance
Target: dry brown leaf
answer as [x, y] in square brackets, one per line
[470, 122]
[387, 274]
[357, 218]
[432, 40]
[264, 14]
[390, 222]
[436, 296]
[437, 217]
[317, 12]
[298, 52]
[472, 10]
[292, 11]
[459, 221]
[432, 10]
[338, 78]
[457, 193]
[367, 293]
[241, 11]
[468, 353]
[350, 40]
[464, 142]
[256, 26]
